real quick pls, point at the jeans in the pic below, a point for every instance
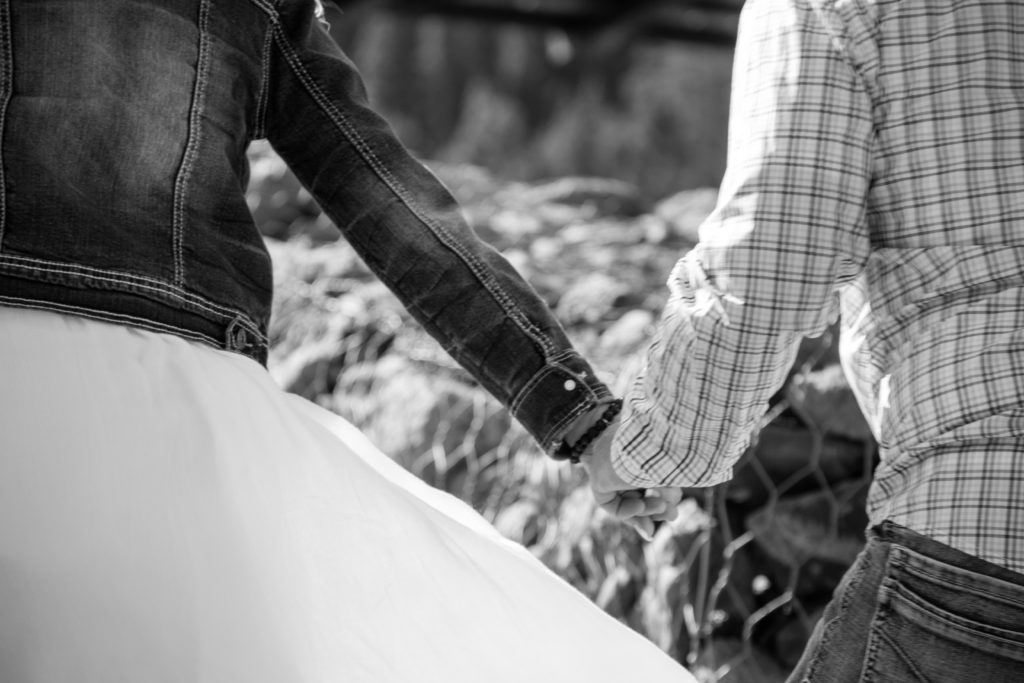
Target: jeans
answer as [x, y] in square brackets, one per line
[913, 609]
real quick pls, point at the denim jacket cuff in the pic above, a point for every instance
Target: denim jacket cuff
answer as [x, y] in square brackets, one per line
[560, 393]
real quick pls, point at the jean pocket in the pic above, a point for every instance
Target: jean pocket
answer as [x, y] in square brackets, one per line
[938, 622]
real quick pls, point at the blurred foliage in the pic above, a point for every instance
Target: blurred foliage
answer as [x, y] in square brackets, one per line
[530, 103]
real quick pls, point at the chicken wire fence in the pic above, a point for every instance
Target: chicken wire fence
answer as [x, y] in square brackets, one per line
[731, 589]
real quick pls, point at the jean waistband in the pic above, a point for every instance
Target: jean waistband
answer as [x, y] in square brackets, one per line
[889, 532]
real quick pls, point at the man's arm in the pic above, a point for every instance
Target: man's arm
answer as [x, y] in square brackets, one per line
[790, 226]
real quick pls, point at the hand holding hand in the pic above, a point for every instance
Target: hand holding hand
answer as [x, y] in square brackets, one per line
[641, 508]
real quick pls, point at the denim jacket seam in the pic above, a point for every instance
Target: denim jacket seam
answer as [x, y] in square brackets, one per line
[184, 175]
[260, 122]
[28, 262]
[578, 407]
[106, 316]
[141, 282]
[528, 387]
[564, 354]
[364, 150]
[6, 90]
[270, 8]
[552, 365]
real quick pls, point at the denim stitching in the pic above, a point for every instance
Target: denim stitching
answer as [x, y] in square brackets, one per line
[877, 622]
[166, 288]
[901, 561]
[565, 354]
[135, 281]
[878, 619]
[45, 264]
[192, 144]
[532, 382]
[569, 417]
[260, 126]
[553, 365]
[17, 302]
[902, 655]
[995, 634]
[910, 562]
[830, 628]
[550, 368]
[339, 119]
[140, 281]
[6, 88]
[269, 8]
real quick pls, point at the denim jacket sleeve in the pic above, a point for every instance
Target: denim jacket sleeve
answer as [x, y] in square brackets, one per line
[410, 232]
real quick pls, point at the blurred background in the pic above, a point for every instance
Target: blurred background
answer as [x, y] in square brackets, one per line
[584, 140]
[635, 91]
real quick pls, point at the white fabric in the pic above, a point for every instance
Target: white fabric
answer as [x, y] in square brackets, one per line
[168, 514]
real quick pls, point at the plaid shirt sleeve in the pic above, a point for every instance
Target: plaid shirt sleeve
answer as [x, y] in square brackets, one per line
[788, 230]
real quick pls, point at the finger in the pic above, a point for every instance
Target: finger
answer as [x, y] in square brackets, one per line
[644, 526]
[625, 507]
[629, 506]
[605, 498]
[669, 515]
[673, 495]
[653, 505]
[650, 505]
[621, 503]
[638, 502]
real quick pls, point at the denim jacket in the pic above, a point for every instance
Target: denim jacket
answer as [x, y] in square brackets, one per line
[123, 131]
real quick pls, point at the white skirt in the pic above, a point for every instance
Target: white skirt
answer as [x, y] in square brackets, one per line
[168, 514]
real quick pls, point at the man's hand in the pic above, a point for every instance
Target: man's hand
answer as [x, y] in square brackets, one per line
[641, 508]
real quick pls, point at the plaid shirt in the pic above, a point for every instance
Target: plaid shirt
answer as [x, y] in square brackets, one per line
[876, 161]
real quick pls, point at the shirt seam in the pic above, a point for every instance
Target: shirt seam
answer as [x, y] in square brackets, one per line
[834, 24]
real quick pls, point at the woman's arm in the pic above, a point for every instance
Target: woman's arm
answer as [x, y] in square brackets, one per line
[408, 229]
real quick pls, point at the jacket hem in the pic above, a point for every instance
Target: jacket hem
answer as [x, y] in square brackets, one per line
[236, 333]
